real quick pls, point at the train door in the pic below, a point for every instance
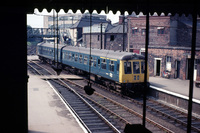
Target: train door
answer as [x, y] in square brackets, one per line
[157, 66]
[188, 68]
[188, 73]
[177, 69]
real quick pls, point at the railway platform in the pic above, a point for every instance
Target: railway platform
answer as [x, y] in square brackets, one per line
[176, 87]
[32, 57]
[46, 111]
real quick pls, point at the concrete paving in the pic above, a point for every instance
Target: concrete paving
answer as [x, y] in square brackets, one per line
[46, 112]
[175, 85]
[32, 57]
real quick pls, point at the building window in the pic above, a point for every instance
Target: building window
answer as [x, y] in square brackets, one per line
[160, 30]
[143, 32]
[168, 63]
[134, 30]
[112, 37]
[168, 58]
[98, 37]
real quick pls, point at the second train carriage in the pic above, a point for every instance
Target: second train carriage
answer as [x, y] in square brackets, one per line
[114, 67]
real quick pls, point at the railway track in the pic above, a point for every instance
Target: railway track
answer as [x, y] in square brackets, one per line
[37, 69]
[179, 118]
[119, 113]
[168, 113]
[90, 118]
[171, 114]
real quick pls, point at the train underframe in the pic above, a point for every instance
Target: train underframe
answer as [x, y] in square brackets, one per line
[130, 89]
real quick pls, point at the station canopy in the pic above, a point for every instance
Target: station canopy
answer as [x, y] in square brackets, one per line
[160, 6]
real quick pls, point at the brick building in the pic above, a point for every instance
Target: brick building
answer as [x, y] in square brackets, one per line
[97, 35]
[112, 36]
[76, 30]
[174, 59]
[169, 43]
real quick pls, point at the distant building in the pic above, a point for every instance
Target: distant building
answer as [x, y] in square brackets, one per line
[112, 36]
[97, 33]
[64, 20]
[169, 43]
[76, 30]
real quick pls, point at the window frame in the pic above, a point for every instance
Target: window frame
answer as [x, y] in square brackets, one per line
[136, 71]
[142, 64]
[112, 37]
[80, 58]
[103, 64]
[125, 68]
[85, 60]
[111, 65]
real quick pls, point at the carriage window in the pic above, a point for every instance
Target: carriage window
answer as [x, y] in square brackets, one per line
[70, 56]
[85, 59]
[103, 64]
[136, 67]
[142, 66]
[95, 61]
[80, 58]
[91, 61]
[127, 68]
[117, 67]
[76, 57]
[52, 52]
[63, 55]
[111, 66]
[98, 62]
[66, 55]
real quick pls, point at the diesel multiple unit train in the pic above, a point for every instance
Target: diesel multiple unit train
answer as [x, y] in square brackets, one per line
[116, 69]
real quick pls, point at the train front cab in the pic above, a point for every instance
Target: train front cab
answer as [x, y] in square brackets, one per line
[131, 75]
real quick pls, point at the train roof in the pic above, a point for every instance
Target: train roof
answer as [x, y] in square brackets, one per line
[99, 52]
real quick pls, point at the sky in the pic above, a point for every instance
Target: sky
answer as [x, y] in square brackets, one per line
[36, 20]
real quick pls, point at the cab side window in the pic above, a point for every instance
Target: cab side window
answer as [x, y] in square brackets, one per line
[142, 66]
[127, 68]
[136, 68]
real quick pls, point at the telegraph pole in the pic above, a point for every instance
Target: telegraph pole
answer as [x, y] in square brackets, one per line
[123, 21]
[101, 37]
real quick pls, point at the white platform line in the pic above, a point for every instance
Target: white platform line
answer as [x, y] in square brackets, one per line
[80, 124]
[174, 94]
